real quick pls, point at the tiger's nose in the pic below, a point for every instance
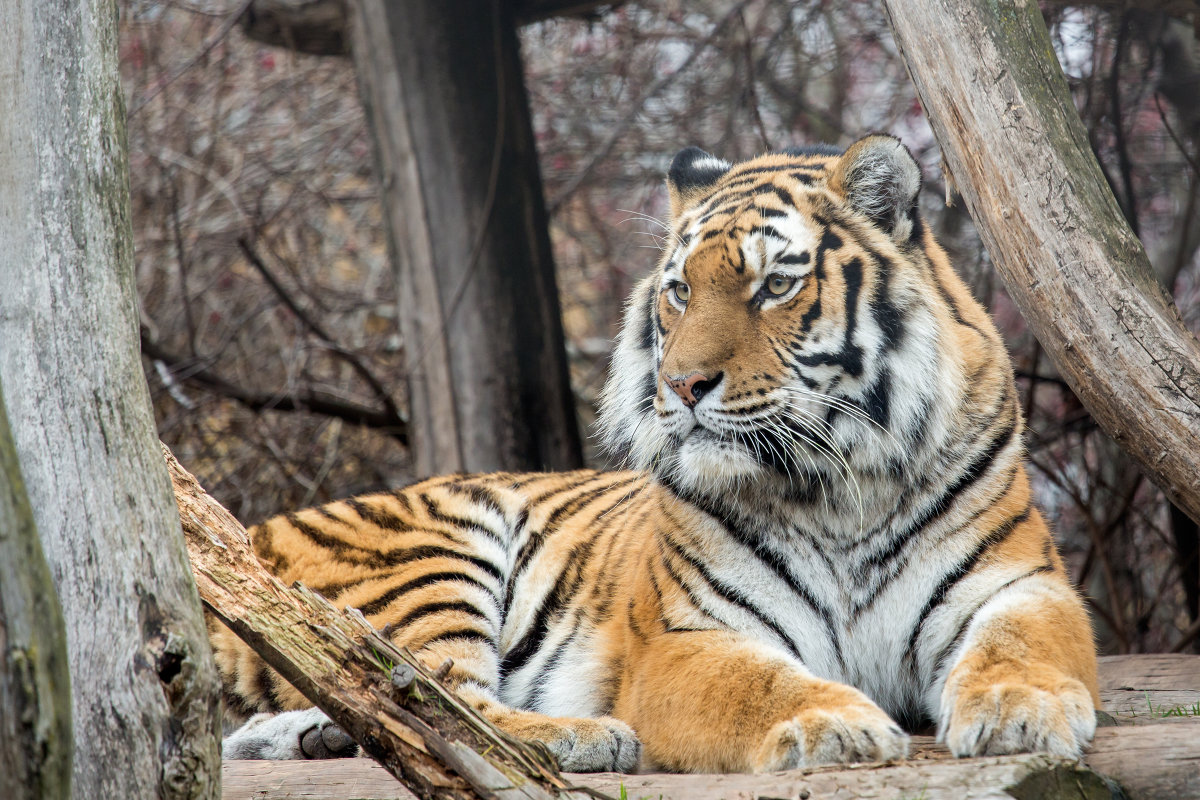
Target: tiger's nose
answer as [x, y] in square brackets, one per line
[694, 386]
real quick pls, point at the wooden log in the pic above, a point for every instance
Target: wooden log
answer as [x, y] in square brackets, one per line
[423, 734]
[1010, 136]
[1148, 762]
[1176, 672]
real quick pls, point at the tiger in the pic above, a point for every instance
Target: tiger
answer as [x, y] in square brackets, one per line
[823, 538]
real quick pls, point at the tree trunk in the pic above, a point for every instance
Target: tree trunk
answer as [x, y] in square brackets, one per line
[384, 698]
[442, 85]
[35, 684]
[144, 690]
[999, 106]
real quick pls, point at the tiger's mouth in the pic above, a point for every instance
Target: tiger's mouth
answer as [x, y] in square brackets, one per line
[778, 444]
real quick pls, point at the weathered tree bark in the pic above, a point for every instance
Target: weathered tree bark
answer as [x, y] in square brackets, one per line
[382, 697]
[996, 98]
[35, 684]
[144, 690]
[442, 85]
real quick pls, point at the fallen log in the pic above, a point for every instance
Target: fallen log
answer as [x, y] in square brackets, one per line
[1147, 762]
[385, 699]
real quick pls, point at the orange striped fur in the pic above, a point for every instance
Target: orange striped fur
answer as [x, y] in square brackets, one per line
[825, 534]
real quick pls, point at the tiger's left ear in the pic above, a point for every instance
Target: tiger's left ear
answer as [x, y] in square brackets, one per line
[879, 178]
[691, 178]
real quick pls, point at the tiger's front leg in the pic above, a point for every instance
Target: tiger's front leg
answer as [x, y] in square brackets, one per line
[1025, 676]
[716, 701]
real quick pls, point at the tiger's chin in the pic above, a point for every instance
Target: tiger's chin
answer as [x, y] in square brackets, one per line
[706, 465]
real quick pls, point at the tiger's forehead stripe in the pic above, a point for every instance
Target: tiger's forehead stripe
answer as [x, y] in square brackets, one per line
[761, 227]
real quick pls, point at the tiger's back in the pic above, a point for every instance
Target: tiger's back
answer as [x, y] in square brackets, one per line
[461, 567]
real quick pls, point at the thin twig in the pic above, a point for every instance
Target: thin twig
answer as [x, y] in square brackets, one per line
[205, 49]
[618, 131]
[190, 370]
[356, 363]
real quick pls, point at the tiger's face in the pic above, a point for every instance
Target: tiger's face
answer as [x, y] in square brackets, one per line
[763, 348]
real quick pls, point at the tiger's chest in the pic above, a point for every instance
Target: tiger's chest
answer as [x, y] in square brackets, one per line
[820, 608]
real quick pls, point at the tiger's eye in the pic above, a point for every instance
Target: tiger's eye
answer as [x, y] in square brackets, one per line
[780, 284]
[682, 293]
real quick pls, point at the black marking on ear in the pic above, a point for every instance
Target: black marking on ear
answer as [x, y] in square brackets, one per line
[820, 149]
[692, 168]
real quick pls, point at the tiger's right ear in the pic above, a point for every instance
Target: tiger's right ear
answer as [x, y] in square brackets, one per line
[693, 173]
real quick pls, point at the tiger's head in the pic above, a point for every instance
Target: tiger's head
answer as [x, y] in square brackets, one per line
[798, 326]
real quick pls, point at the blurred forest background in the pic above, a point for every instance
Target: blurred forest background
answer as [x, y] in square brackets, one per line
[265, 283]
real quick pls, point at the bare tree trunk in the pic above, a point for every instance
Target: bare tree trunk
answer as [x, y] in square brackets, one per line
[35, 685]
[988, 80]
[144, 690]
[442, 84]
[423, 734]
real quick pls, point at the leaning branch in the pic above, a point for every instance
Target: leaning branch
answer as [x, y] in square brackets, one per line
[999, 106]
[384, 698]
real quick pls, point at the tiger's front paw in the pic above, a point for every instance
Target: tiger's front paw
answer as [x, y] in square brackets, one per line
[999, 718]
[602, 744]
[854, 731]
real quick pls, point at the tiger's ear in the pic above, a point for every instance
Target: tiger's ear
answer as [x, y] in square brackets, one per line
[879, 178]
[693, 173]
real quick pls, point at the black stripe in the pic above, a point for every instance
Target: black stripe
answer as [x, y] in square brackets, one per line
[480, 495]
[564, 589]
[772, 232]
[674, 575]
[538, 682]
[731, 594]
[537, 539]
[784, 196]
[878, 401]
[428, 609]
[794, 258]
[376, 516]
[940, 661]
[850, 358]
[974, 471]
[460, 523]
[381, 602]
[342, 550]
[461, 634]
[406, 555]
[960, 571]
[761, 551]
